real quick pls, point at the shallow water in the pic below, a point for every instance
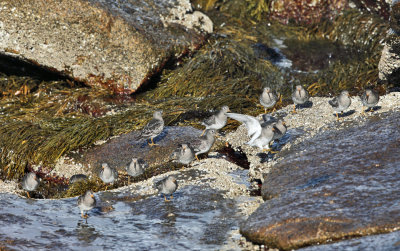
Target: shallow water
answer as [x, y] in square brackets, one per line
[197, 218]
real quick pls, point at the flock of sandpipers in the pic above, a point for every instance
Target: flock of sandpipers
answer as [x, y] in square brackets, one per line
[261, 132]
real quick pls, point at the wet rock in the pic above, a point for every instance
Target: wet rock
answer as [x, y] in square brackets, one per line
[389, 64]
[197, 218]
[389, 241]
[119, 151]
[335, 185]
[119, 43]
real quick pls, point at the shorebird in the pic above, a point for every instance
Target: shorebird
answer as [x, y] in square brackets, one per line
[167, 186]
[153, 128]
[340, 103]
[299, 96]
[216, 121]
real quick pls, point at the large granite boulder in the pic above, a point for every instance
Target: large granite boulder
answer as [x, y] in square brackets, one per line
[121, 43]
[337, 185]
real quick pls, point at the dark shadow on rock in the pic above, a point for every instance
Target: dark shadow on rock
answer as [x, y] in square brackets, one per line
[159, 137]
[307, 104]
[375, 108]
[345, 114]
[264, 156]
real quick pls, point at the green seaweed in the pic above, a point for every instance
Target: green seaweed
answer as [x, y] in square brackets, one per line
[44, 120]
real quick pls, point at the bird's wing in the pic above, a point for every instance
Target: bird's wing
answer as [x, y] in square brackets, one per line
[209, 121]
[334, 102]
[252, 123]
[80, 199]
[143, 163]
[267, 120]
[199, 145]
[152, 126]
[115, 173]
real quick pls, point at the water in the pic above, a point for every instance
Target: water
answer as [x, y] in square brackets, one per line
[197, 218]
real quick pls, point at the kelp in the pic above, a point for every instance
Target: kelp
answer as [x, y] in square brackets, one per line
[43, 120]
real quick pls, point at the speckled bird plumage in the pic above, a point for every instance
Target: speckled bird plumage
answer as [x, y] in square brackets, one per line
[204, 143]
[341, 102]
[369, 98]
[218, 120]
[154, 127]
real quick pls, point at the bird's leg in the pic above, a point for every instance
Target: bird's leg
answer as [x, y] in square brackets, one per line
[83, 216]
[265, 110]
[165, 198]
[363, 111]
[129, 180]
[27, 193]
[106, 187]
[172, 196]
[86, 216]
[294, 108]
[152, 143]
[197, 157]
[337, 116]
[269, 150]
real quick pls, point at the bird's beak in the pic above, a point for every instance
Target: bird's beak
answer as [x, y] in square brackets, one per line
[273, 129]
[92, 195]
[284, 123]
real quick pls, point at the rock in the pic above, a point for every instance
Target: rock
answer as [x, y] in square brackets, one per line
[119, 151]
[336, 185]
[388, 241]
[121, 43]
[389, 71]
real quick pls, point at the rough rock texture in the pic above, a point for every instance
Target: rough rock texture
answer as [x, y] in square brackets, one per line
[119, 151]
[122, 41]
[336, 185]
[389, 64]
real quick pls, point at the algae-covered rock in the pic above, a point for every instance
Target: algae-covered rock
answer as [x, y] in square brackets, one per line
[125, 42]
[336, 185]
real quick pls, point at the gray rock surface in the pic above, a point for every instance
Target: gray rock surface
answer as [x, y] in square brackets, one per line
[339, 184]
[122, 42]
[131, 145]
